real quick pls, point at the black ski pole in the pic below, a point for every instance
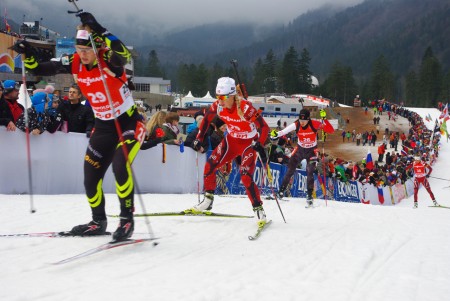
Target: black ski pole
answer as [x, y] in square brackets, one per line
[241, 84]
[76, 7]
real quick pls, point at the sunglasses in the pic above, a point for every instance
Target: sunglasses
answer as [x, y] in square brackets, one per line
[83, 50]
[223, 97]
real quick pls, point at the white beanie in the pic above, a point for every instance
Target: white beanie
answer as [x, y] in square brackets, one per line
[226, 86]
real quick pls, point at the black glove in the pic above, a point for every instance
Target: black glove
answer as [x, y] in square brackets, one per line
[261, 151]
[89, 20]
[88, 134]
[196, 144]
[427, 176]
[23, 47]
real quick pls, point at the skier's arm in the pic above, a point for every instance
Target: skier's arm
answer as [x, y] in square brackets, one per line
[287, 129]
[204, 125]
[118, 55]
[36, 66]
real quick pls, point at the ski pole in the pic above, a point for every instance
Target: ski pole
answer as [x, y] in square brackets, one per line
[76, 7]
[198, 176]
[265, 174]
[439, 178]
[241, 84]
[27, 134]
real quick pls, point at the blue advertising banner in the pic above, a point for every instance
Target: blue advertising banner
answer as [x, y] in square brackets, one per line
[340, 191]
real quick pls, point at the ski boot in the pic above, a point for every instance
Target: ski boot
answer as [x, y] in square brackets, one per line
[90, 229]
[124, 230]
[260, 215]
[435, 203]
[416, 205]
[206, 204]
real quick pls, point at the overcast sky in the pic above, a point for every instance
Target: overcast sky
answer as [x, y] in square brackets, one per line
[163, 15]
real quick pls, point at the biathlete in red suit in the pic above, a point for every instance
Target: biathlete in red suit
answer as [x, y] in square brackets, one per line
[420, 168]
[246, 132]
[105, 146]
[306, 149]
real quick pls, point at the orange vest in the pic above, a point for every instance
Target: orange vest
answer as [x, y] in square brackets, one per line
[91, 85]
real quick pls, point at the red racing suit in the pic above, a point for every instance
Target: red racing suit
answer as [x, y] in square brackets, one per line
[307, 144]
[420, 173]
[241, 133]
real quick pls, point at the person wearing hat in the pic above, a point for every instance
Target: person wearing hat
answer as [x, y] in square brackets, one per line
[39, 120]
[306, 130]
[421, 175]
[100, 74]
[247, 132]
[10, 109]
[198, 116]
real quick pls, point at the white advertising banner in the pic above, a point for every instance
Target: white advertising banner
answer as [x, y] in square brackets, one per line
[57, 166]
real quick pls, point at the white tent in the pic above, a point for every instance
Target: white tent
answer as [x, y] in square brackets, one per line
[207, 95]
[189, 95]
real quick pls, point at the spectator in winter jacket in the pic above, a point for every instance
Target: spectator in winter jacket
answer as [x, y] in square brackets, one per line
[381, 151]
[170, 128]
[77, 117]
[10, 109]
[154, 130]
[38, 118]
[198, 116]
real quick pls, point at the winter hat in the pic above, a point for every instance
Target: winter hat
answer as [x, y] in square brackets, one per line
[9, 85]
[49, 89]
[226, 86]
[304, 114]
[199, 114]
[39, 99]
[84, 39]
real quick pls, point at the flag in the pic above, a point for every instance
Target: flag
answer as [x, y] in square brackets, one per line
[444, 112]
[444, 128]
[369, 161]
[403, 152]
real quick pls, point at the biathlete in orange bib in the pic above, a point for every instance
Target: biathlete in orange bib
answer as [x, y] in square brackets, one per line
[247, 132]
[306, 148]
[106, 141]
[422, 171]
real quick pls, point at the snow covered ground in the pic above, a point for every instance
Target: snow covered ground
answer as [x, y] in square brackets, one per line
[336, 252]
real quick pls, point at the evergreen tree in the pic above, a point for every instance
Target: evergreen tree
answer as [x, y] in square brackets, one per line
[411, 89]
[270, 66]
[216, 72]
[154, 68]
[430, 78]
[257, 84]
[382, 80]
[445, 89]
[340, 84]
[289, 75]
[183, 79]
[305, 81]
[199, 80]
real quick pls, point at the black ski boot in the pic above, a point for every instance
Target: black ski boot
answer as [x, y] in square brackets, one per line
[124, 230]
[91, 228]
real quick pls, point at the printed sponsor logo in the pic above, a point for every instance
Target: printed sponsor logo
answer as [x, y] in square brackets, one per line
[92, 162]
[96, 153]
[347, 189]
[89, 80]
[249, 156]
